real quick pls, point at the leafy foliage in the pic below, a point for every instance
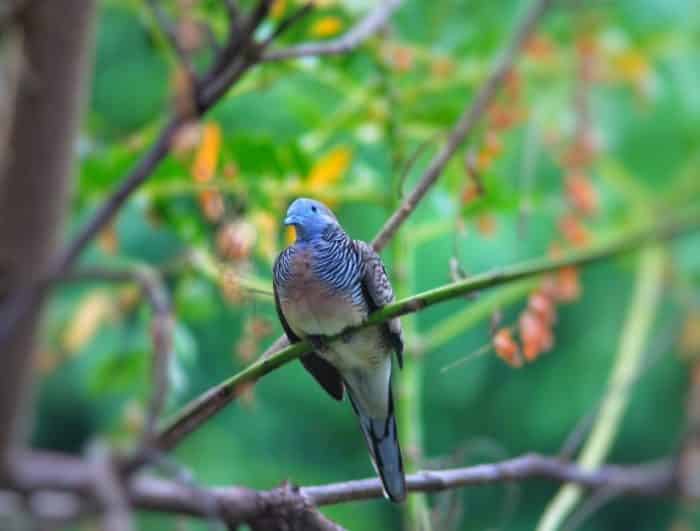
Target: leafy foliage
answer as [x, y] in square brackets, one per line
[355, 131]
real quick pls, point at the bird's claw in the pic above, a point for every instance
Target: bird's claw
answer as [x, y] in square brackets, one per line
[318, 342]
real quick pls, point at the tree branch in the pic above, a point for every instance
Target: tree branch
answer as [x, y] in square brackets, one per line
[170, 31]
[162, 329]
[466, 123]
[359, 33]
[39, 471]
[212, 401]
[35, 178]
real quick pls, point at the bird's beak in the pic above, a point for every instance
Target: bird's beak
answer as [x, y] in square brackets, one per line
[291, 220]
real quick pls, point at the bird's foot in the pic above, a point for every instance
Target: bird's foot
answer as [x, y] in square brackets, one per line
[346, 336]
[318, 342]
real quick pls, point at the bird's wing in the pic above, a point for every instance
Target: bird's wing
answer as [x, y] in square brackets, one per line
[322, 371]
[379, 293]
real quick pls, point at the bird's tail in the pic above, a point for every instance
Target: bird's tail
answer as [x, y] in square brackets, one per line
[383, 443]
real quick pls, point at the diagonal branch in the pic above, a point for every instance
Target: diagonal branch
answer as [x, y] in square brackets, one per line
[212, 401]
[162, 326]
[466, 123]
[359, 33]
[170, 31]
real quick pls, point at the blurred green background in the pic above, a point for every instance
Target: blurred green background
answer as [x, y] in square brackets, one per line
[615, 84]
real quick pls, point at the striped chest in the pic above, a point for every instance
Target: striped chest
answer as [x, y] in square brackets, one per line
[319, 293]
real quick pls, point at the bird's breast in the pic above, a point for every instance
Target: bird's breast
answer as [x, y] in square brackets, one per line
[311, 305]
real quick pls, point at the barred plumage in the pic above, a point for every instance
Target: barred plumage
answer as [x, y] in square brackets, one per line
[326, 283]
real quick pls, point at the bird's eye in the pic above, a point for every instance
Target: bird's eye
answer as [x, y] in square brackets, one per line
[313, 209]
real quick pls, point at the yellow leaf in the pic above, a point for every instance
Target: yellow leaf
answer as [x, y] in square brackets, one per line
[92, 311]
[327, 27]
[632, 65]
[329, 169]
[207, 156]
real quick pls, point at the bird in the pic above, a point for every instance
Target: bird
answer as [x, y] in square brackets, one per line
[325, 284]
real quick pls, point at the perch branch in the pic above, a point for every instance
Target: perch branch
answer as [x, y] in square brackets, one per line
[216, 398]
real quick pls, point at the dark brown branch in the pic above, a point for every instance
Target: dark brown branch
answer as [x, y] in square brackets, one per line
[239, 504]
[35, 178]
[359, 33]
[466, 123]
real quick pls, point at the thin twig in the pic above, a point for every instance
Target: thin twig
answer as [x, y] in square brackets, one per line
[216, 398]
[359, 33]
[162, 330]
[170, 31]
[466, 123]
[592, 505]
[109, 490]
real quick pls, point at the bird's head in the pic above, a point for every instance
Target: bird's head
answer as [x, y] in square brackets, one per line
[310, 218]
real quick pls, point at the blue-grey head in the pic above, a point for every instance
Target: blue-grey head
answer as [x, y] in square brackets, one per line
[310, 218]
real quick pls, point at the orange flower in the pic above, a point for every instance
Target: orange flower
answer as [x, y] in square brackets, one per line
[581, 193]
[539, 47]
[506, 348]
[568, 285]
[543, 306]
[486, 225]
[108, 239]
[470, 193]
[211, 202]
[402, 58]
[536, 336]
[236, 240]
[574, 231]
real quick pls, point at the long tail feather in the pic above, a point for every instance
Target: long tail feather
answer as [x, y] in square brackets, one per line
[383, 443]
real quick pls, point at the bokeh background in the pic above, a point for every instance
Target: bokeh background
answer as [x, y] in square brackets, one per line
[596, 130]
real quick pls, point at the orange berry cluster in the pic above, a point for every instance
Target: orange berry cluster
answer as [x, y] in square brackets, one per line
[537, 319]
[581, 195]
[502, 115]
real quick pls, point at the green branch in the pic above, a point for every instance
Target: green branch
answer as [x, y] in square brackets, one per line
[202, 408]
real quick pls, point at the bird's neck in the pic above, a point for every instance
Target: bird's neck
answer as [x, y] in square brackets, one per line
[330, 234]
